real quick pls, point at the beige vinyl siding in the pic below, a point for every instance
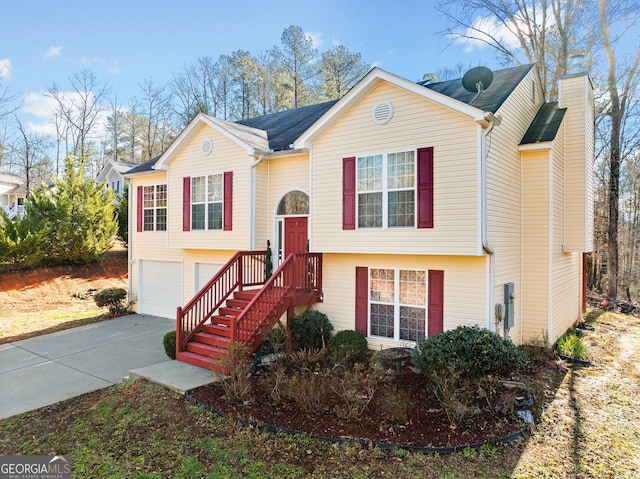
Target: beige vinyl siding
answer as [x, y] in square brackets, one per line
[576, 95]
[464, 291]
[145, 245]
[416, 123]
[263, 212]
[504, 191]
[566, 268]
[285, 174]
[190, 161]
[536, 289]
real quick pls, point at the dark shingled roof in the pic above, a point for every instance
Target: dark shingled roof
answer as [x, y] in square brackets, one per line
[545, 125]
[144, 167]
[285, 126]
[504, 82]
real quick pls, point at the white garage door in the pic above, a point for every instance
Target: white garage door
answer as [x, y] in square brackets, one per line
[160, 291]
[204, 272]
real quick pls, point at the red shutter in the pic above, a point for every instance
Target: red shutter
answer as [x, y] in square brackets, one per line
[186, 203]
[349, 193]
[436, 302]
[362, 299]
[228, 201]
[139, 209]
[425, 187]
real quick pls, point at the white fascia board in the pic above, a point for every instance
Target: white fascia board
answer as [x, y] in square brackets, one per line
[542, 146]
[192, 128]
[368, 83]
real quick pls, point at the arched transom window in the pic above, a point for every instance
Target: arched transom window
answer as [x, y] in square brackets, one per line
[294, 203]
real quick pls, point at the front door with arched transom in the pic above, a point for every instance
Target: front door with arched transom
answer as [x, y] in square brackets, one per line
[292, 223]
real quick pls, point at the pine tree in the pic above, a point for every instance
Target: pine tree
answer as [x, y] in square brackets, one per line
[77, 216]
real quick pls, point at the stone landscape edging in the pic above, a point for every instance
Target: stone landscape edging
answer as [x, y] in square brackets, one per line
[365, 442]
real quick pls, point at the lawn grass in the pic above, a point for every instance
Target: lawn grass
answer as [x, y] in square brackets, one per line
[588, 428]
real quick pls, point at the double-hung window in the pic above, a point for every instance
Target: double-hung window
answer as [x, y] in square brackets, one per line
[154, 208]
[398, 303]
[207, 202]
[386, 190]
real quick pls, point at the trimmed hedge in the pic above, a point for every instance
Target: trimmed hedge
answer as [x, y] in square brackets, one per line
[310, 330]
[169, 342]
[349, 345]
[469, 352]
[114, 298]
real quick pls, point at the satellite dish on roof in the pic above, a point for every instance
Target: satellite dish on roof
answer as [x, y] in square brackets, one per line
[477, 80]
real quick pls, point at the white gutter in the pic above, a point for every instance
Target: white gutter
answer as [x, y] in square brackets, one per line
[252, 197]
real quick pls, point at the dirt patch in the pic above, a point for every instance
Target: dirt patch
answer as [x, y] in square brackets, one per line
[53, 298]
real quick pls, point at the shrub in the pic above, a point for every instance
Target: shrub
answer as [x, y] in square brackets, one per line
[21, 244]
[349, 346]
[470, 353]
[355, 388]
[169, 342]
[237, 386]
[114, 298]
[310, 330]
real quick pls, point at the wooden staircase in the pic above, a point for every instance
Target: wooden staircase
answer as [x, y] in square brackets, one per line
[237, 305]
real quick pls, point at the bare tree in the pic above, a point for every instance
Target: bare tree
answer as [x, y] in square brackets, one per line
[543, 32]
[621, 84]
[28, 156]
[80, 109]
[154, 106]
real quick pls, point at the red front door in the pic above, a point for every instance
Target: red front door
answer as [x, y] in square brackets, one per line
[295, 235]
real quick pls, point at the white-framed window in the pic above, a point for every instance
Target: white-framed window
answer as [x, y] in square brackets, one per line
[398, 303]
[386, 190]
[154, 208]
[207, 202]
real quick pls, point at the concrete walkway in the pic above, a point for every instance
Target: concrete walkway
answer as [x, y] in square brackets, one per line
[53, 367]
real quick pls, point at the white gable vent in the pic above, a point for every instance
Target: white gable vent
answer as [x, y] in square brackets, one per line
[382, 112]
[207, 146]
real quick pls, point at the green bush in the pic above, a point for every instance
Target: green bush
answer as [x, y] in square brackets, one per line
[348, 345]
[310, 330]
[571, 345]
[469, 353]
[113, 298]
[21, 244]
[169, 342]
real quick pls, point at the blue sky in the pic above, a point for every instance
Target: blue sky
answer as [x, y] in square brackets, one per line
[126, 42]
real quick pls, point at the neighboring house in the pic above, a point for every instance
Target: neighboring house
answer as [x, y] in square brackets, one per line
[12, 195]
[410, 208]
[112, 175]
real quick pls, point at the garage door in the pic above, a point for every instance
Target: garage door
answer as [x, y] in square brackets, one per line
[160, 291]
[204, 272]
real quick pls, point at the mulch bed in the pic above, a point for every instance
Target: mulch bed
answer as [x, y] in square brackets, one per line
[427, 424]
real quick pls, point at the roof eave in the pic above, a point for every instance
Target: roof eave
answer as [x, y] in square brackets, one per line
[367, 84]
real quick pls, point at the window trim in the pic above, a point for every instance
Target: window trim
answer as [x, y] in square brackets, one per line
[385, 191]
[155, 209]
[207, 204]
[397, 304]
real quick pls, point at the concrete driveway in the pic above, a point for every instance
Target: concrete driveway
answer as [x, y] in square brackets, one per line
[46, 369]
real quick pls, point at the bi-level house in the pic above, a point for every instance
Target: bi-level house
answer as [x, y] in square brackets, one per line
[401, 210]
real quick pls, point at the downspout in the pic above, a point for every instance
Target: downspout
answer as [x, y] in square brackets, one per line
[487, 248]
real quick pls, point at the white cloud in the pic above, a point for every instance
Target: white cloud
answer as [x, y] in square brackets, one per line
[316, 39]
[53, 52]
[39, 104]
[487, 26]
[5, 68]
